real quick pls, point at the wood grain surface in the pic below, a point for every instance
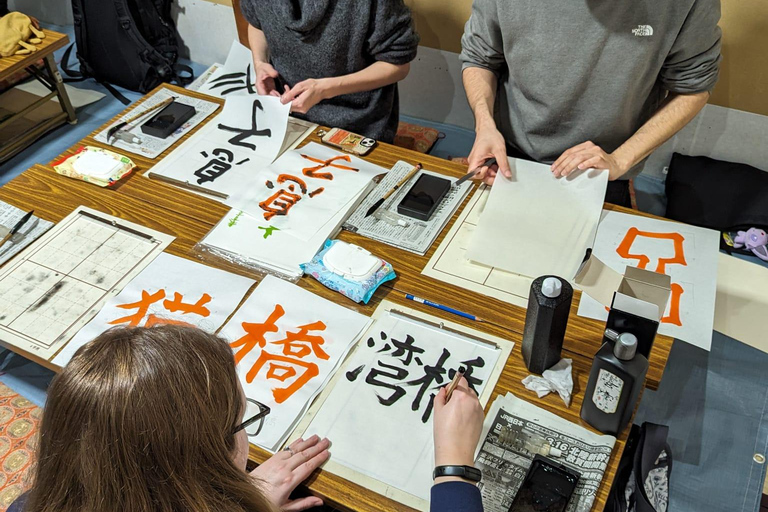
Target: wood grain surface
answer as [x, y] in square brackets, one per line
[52, 42]
[189, 217]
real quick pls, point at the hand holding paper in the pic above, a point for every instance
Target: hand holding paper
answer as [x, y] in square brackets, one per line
[588, 155]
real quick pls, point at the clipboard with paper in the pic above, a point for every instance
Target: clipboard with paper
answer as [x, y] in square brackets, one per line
[385, 387]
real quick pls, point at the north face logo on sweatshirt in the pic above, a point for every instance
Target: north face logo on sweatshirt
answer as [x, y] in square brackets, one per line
[643, 31]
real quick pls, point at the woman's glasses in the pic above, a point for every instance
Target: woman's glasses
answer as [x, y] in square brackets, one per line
[253, 419]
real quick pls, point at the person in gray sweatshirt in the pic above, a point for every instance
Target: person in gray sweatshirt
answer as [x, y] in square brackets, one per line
[586, 83]
[339, 61]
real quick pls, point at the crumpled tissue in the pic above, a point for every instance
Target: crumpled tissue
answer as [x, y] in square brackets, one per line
[557, 379]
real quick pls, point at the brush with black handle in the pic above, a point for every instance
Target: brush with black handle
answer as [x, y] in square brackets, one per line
[16, 228]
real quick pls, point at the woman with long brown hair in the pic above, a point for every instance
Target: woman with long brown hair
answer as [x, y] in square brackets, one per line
[149, 419]
[154, 420]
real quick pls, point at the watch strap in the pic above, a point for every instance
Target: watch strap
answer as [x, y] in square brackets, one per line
[466, 472]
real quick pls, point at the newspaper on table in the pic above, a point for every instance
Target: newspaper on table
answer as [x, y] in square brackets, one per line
[504, 469]
[147, 145]
[416, 235]
[28, 233]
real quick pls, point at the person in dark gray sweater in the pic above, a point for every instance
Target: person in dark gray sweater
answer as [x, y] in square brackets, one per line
[339, 60]
[587, 84]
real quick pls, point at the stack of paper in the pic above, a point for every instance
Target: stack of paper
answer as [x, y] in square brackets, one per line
[504, 466]
[246, 240]
[535, 224]
[288, 343]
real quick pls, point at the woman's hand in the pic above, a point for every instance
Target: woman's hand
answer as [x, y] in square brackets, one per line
[457, 427]
[284, 471]
[265, 79]
[305, 95]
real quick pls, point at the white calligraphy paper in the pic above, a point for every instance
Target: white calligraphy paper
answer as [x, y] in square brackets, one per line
[688, 254]
[168, 290]
[535, 224]
[305, 188]
[227, 153]
[236, 77]
[378, 415]
[252, 242]
[287, 343]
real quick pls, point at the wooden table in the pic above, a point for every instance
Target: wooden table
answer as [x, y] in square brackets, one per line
[51, 79]
[189, 217]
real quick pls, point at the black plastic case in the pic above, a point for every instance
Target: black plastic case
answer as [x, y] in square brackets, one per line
[424, 197]
[168, 120]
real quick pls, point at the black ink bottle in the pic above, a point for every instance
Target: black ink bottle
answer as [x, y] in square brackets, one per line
[617, 377]
[549, 304]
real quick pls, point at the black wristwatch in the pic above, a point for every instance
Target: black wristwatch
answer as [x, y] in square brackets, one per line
[465, 472]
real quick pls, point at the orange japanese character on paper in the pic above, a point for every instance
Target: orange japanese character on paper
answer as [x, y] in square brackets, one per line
[677, 257]
[288, 367]
[634, 235]
[314, 172]
[281, 202]
[149, 299]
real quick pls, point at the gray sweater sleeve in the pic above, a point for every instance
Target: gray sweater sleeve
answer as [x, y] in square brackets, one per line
[693, 64]
[393, 38]
[248, 8]
[481, 44]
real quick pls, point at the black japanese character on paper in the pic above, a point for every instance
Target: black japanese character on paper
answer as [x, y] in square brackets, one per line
[406, 348]
[398, 375]
[245, 133]
[469, 366]
[432, 374]
[425, 379]
[217, 166]
[240, 81]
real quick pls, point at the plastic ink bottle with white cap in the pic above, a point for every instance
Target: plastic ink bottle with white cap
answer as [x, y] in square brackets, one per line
[549, 304]
[617, 377]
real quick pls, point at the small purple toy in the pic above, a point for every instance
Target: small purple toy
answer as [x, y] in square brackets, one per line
[755, 240]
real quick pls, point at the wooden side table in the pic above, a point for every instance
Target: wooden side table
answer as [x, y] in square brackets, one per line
[50, 77]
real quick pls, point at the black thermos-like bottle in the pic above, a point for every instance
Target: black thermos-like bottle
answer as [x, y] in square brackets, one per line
[549, 304]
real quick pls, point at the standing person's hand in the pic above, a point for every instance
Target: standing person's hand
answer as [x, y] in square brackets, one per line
[489, 143]
[284, 471]
[304, 95]
[457, 427]
[265, 79]
[588, 155]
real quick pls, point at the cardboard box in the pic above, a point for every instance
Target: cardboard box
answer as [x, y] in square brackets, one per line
[637, 299]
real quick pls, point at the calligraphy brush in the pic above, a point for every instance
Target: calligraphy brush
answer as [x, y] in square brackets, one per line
[112, 131]
[402, 182]
[16, 228]
[455, 382]
[471, 174]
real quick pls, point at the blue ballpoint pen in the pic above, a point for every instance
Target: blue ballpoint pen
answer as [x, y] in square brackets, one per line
[441, 307]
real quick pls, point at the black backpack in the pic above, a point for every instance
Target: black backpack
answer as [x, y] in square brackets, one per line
[128, 43]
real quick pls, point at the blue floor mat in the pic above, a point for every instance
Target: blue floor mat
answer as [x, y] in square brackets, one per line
[89, 118]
